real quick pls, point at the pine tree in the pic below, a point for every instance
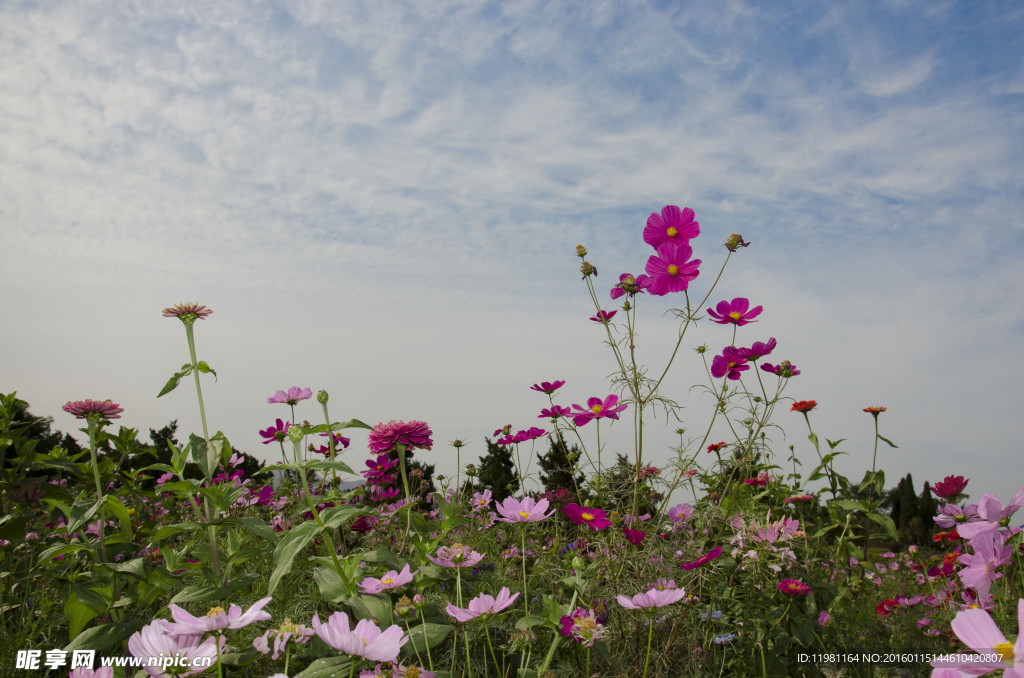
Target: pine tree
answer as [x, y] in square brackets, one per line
[908, 502]
[926, 508]
[497, 472]
[556, 469]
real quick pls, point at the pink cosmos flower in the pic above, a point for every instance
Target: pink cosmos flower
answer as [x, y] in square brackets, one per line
[992, 512]
[287, 631]
[604, 316]
[379, 467]
[523, 436]
[824, 618]
[100, 409]
[672, 270]
[292, 397]
[680, 513]
[735, 312]
[186, 311]
[703, 560]
[598, 409]
[101, 672]
[951, 515]
[525, 511]
[547, 387]
[672, 226]
[555, 412]
[458, 555]
[594, 518]
[634, 537]
[481, 500]
[415, 435]
[785, 369]
[651, 599]
[629, 284]
[482, 606]
[157, 639]
[950, 487]
[730, 364]
[975, 628]
[276, 433]
[217, 619]
[793, 588]
[366, 640]
[758, 350]
[990, 552]
[390, 580]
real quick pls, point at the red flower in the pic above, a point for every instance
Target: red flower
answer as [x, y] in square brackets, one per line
[804, 406]
[875, 410]
[716, 447]
[887, 607]
[951, 536]
[950, 486]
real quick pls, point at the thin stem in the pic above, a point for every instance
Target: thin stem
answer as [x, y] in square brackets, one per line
[650, 634]
[320, 522]
[423, 619]
[400, 450]
[491, 647]
[330, 446]
[99, 491]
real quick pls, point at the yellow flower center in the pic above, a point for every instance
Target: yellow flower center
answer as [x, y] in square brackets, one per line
[672, 231]
[482, 502]
[412, 672]
[735, 315]
[588, 516]
[525, 514]
[732, 365]
[387, 580]
[587, 624]
[214, 611]
[596, 409]
[1005, 651]
[673, 269]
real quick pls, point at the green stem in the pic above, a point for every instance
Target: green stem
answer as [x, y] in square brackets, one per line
[400, 449]
[491, 647]
[320, 522]
[99, 490]
[330, 445]
[650, 634]
[429, 658]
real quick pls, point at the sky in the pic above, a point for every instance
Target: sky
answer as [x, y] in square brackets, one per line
[382, 200]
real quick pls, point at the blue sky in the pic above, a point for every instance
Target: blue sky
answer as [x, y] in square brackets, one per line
[382, 199]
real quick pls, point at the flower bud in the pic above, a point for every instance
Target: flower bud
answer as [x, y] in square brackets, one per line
[588, 269]
[735, 241]
[457, 443]
[701, 349]
[626, 306]
[577, 563]
[471, 470]
[418, 601]
[614, 516]
[581, 251]
[295, 434]
[321, 397]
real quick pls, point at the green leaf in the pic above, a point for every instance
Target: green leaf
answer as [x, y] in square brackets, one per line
[351, 423]
[206, 456]
[425, 636]
[61, 550]
[336, 516]
[80, 515]
[381, 555]
[238, 659]
[886, 440]
[849, 505]
[173, 382]
[814, 439]
[331, 586]
[531, 621]
[886, 522]
[159, 467]
[104, 636]
[252, 524]
[169, 530]
[134, 568]
[834, 444]
[327, 465]
[114, 506]
[332, 667]
[78, 615]
[288, 548]
[206, 369]
[90, 598]
[209, 594]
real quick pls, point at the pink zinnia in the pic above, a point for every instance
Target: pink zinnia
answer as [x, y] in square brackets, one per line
[100, 409]
[794, 588]
[217, 618]
[735, 312]
[672, 226]
[594, 518]
[950, 486]
[482, 606]
[651, 599]
[291, 397]
[187, 312]
[415, 435]
[672, 270]
[598, 409]
[390, 580]
[525, 511]
[730, 364]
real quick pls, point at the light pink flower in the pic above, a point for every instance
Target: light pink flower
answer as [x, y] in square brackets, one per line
[291, 397]
[101, 672]
[990, 552]
[651, 599]
[390, 580]
[482, 606]
[481, 500]
[992, 511]
[458, 555]
[287, 631]
[415, 435]
[366, 640]
[100, 409]
[680, 512]
[156, 640]
[525, 511]
[217, 618]
[975, 628]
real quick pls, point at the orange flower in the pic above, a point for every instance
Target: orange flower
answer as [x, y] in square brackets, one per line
[804, 406]
[875, 411]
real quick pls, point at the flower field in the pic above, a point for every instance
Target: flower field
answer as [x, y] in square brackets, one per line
[128, 559]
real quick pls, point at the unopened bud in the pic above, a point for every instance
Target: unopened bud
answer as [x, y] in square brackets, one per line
[295, 434]
[321, 397]
[735, 241]
[577, 563]
[457, 443]
[626, 306]
[581, 251]
[587, 269]
[701, 349]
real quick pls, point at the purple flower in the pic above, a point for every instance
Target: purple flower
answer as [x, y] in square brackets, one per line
[583, 626]
[481, 500]
[598, 409]
[680, 513]
[990, 552]
[482, 606]
[379, 467]
[785, 369]
[992, 511]
[555, 412]
[366, 640]
[758, 350]
[415, 435]
[704, 559]
[951, 515]
[672, 226]
[594, 518]
[523, 436]
[735, 312]
[672, 270]
[458, 555]
[651, 599]
[340, 441]
[390, 580]
[217, 619]
[188, 312]
[634, 537]
[278, 432]
[629, 284]
[730, 364]
[93, 409]
[525, 511]
[547, 387]
[293, 396]
[156, 640]
[824, 618]
[604, 316]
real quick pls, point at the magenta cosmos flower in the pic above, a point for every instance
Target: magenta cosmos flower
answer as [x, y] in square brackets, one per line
[482, 606]
[703, 560]
[629, 284]
[415, 435]
[523, 436]
[594, 518]
[278, 432]
[99, 409]
[366, 640]
[555, 412]
[976, 629]
[651, 599]
[794, 588]
[735, 312]
[188, 312]
[785, 369]
[458, 555]
[379, 467]
[217, 618]
[729, 364]
[598, 409]
[391, 580]
[672, 226]
[525, 511]
[759, 350]
[291, 397]
[547, 387]
[156, 640]
[604, 316]
[634, 537]
[671, 270]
